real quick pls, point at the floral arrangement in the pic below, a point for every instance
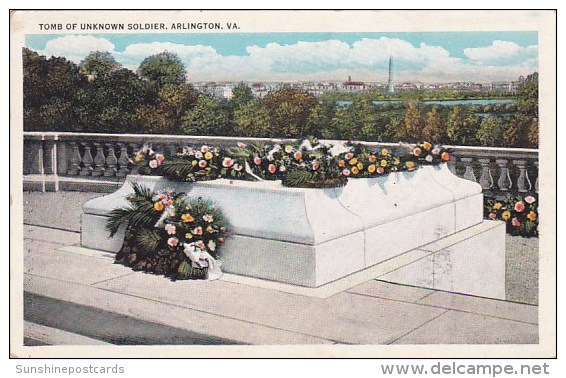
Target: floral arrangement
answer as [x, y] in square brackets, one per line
[519, 213]
[304, 163]
[170, 234]
[148, 162]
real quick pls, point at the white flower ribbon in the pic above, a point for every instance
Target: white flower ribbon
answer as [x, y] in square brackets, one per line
[338, 149]
[249, 172]
[202, 259]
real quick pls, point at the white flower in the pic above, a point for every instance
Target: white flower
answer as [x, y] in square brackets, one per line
[530, 199]
[198, 155]
[428, 158]
[211, 245]
[436, 151]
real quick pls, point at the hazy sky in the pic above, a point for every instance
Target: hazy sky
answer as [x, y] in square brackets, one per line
[426, 57]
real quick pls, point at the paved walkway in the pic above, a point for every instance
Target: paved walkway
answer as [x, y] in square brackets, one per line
[85, 294]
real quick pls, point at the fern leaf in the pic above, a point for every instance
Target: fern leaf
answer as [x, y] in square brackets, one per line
[177, 169]
[148, 240]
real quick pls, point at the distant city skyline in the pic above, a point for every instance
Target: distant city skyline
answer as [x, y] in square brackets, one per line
[418, 57]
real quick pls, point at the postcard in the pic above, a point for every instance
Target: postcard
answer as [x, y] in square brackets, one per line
[283, 183]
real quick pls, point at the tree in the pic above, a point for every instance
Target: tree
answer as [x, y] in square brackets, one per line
[289, 110]
[490, 132]
[434, 129]
[51, 92]
[208, 117]
[162, 69]
[523, 127]
[251, 119]
[319, 123]
[412, 124]
[99, 63]
[111, 101]
[461, 126]
[241, 95]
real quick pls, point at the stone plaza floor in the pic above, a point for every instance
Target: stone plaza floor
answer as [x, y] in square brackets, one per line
[77, 297]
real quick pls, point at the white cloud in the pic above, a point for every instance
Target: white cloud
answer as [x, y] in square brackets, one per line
[366, 59]
[501, 53]
[76, 47]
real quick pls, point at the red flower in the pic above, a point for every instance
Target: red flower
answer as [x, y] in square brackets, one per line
[492, 216]
[272, 168]
[519, 206]
[298, 155]
[257, 160]
[417, 152]
[515, 222]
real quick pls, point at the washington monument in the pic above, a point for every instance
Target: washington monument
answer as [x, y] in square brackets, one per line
[390, 86]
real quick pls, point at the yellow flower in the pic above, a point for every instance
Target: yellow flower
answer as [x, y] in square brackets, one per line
[506, 215]
[371, 168]
[353, 161]
[410, 165]
[194, 162]
[158, 206]
[355, 170]
[497, 206]
[187, 218]
[372, 158]
[396, 161]
[384, 152]
[188, 236]
[383, 163]
[360, 166]
[532, 215]
[341, 164]
[209, 229]
[138, 158]
[427, 146]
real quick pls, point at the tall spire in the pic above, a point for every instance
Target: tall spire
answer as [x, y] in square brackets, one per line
[390, 86]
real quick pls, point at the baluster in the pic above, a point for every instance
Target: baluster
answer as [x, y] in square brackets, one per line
[75, 160]
[504, 180]
[523, 178]
[135, 148]
[99, 160]
[123, 160]
[87, 161]
[452, 164]
[111, 162]
[469, 173]
[486, 179]
[536, 182]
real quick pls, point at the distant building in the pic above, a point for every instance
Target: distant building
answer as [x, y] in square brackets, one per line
[353, 86]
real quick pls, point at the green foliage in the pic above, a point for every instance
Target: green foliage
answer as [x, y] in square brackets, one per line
[289, 110]
[251, 119]
[412, 123]
[99, 63]
[162, 69]
[319, 123]
[208, 117]
[461, 126]
[434, 127]
[490, 132]
[523, 126]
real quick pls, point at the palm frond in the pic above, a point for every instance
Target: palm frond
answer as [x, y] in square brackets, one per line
[148, 240]
[177, 169]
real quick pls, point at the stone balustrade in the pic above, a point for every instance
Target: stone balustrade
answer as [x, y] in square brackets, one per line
[55, 161]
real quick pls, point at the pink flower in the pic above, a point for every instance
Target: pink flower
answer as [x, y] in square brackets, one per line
[492, 216]
[172, 242]
[346, 172]
[315, 165]
[380, 170]
[257, 160]
[530, 199]
[204, 149]
[163, 196]
[417, 152]
[241, 145]
[272, 168]
[349, 156]
[208, 218]
[519, 206]
[298, 155]
[227, 162]
[153, 164]
[197, 230]
[202, 163]
[159, 158]
[199, 244]
[435, 151]
[515, 222]
[171, 229]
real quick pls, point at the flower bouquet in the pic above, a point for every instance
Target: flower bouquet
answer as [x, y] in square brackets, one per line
[519, 213]
[148, 162]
